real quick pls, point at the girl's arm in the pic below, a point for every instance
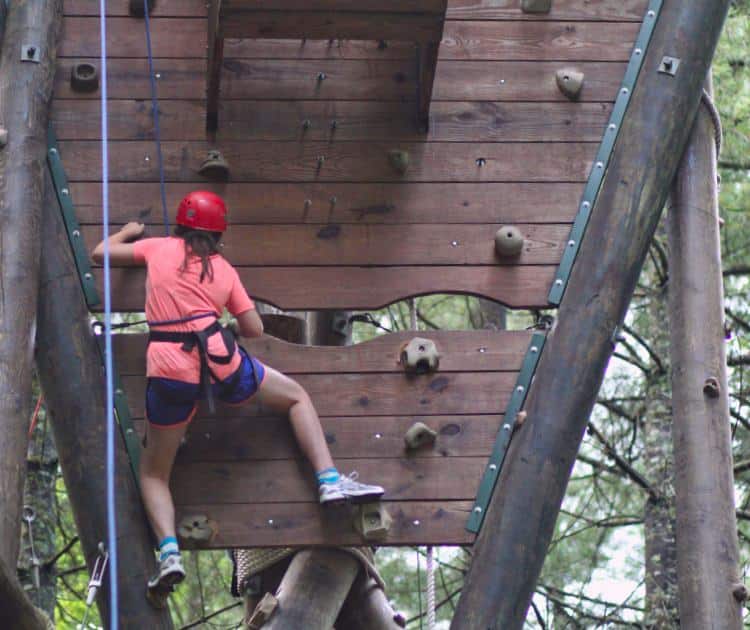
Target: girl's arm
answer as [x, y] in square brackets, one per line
[120, 245]
[250, 323]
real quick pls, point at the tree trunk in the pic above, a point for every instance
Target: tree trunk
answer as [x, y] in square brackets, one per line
[707, 545]
[17, 612]
[659, 518]
[510, 549]
[314, 589]
[367, 608]
[25, 90]
[72, 379]
[39, 494]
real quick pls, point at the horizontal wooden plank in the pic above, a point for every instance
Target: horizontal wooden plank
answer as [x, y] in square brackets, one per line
[466, 393]
[379, 80]
[227, 439]
[336, 162]
[314, 24]
[461, 351]
[354, 120]
[384, 245]
[523, 41]
[390, 204]
[608, 10]
[292, 481]
[230, 7]
[287, 525]
[359, 288]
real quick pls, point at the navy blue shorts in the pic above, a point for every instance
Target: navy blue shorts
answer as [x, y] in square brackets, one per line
[170, 402]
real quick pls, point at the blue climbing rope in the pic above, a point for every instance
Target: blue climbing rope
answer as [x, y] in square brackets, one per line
[155, 110]
[110, 456]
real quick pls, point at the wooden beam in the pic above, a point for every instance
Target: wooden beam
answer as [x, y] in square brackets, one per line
[70, 371]
[510, 550]
[25, 90]
[706, 525]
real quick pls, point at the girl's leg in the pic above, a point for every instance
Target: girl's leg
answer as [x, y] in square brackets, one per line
[284, 395]
[155, 468]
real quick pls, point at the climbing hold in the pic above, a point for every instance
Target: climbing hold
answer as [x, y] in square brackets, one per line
[418, 435]
[136, 7]
[419, 356]
[262, 612]
[372, 521]
[570, 82]
[196, 531]
[509, 241]
[214, 166]
[521, 418]
[399, 160]
[536, 6]
[3, 137]
[740, 593]
[84, 77]
[711, 387]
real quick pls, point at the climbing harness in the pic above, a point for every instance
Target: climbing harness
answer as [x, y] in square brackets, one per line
[110, 457]
[199, 339]
[95, 583]
[155, 111]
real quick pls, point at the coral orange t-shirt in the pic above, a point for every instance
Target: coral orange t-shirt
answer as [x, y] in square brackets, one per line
[175, 294]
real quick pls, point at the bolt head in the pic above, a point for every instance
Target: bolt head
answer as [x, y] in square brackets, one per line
[477, 510]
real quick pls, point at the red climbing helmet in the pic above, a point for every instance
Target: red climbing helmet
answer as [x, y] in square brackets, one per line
[203, 210]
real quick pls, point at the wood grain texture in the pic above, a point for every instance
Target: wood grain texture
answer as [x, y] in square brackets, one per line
[608, 10]
[388, 204]
[229, 439]
[352, 79]
[305, 121]
[274, 525]
[522, 41]
[470, 393]
[346, 161]
[359, 288]
[461, 351]
[332, 24]
[293, 481]
[385, 245]
[239, 7]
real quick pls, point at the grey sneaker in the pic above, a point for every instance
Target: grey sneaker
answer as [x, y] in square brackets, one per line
[348, 488]
[169, 574]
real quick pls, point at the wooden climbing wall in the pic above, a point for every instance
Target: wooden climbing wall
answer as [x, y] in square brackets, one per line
[504, 147]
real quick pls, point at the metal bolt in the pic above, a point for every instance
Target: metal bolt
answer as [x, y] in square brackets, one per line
[638, 51]
[571, 243]
[76, 233]
[378, 436]
[53, 151]
[625, 91]
[651, 14]
[158, 75]
[520, 389]
[558, 283]
[534, 350]
[65, 191]
[454, 243]
[600, 165]
[481, 161]
[88, 276]
[612, 127]
[321, 76]
[493, 467]
[333, 200]
[416, 522]
[502, 81]
[147, 158]
[308, 203]
[482, 350]
[506, 427]
[477, 510]
[586, 205]
[306, 124]
[270, 521]
[119, 392]
[334, 125]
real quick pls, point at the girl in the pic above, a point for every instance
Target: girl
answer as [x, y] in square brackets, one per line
[190, 356]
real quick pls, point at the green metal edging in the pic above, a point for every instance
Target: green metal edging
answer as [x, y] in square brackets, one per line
[593, 186]
[91, 295]
[72, 226]
[515, 404]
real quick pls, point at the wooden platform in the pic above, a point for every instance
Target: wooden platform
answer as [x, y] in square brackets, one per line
[505, 146]
[243, 469]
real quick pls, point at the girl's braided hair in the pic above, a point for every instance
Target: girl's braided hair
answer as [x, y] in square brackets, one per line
[202, 244]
